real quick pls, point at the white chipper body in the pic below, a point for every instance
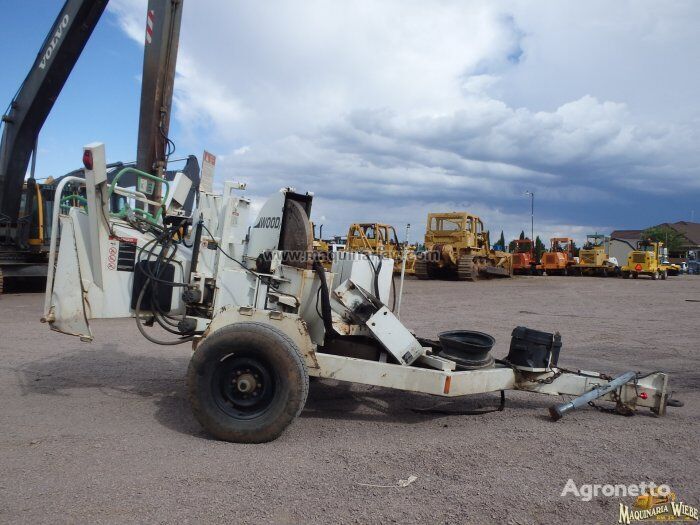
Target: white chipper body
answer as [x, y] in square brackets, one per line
[261, 314]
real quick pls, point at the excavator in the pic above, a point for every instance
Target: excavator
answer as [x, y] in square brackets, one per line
[26, 205]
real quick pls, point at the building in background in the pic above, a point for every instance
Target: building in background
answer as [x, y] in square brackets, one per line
[691, 234]
[623, 241]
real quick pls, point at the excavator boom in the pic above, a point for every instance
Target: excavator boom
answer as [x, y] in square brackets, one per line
[38, 93]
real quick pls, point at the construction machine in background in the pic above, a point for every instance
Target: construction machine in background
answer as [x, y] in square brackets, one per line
[559, 260]
[322, 248]
[26, 205]
[457, 246]
[380, 239]
[524, 260]
[594, 258]
[650, 259]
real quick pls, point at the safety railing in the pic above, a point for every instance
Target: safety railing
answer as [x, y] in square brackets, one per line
[73, 201]
[139, 196]
[50, 272]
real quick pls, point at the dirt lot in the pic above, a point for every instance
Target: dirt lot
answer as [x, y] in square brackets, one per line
[102, 432]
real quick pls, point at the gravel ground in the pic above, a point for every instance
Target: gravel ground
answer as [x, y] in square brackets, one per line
[102, 432]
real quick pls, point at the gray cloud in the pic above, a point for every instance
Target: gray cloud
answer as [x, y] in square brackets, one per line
[388, 110]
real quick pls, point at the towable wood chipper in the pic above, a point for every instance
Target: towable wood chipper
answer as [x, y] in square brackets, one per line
[263, 315]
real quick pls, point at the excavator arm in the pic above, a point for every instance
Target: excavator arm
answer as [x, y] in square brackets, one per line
[22, 253]
[36, 96]
[63, 45]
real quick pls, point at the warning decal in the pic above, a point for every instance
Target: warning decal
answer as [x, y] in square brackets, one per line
[122, 254]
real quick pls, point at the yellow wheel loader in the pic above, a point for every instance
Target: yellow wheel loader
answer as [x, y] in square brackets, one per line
[458, 246]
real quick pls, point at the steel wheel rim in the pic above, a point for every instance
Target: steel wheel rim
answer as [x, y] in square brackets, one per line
[244, 387]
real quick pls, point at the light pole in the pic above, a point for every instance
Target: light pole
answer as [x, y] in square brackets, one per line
[532, 217]
[533, 244]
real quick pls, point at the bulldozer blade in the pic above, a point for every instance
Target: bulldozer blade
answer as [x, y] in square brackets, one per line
[495, 270]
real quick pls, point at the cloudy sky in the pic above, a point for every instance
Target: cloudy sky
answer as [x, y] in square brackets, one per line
[387, 110]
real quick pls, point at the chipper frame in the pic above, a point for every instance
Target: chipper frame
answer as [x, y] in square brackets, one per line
[260, 312]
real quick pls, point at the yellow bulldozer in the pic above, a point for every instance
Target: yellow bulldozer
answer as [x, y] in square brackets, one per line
[652, 498]
[380, 239]
[458, 246]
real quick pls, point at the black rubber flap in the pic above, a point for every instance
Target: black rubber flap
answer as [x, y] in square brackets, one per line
[158, 292]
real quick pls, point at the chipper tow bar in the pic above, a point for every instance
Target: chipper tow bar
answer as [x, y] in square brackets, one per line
[262, 318]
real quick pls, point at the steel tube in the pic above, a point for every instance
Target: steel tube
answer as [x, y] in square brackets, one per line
[558, 411]
[50, 270]
[404, 254]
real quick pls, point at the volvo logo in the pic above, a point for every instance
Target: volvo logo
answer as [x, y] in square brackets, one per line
[54, 41]
[268, 222]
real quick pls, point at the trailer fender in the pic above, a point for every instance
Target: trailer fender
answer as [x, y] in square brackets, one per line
[290, 324]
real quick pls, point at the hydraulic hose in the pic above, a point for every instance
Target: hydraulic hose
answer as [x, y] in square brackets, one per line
[326, 312]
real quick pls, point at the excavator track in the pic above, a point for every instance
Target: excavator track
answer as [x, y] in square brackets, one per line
[466, 269]
[421, 269]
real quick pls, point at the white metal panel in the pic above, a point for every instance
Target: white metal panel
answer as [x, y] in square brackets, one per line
[265, 232]
[66, 311]
[94, 178]
[358, 268]
[394, 336]
[179, 190]
[235, 287]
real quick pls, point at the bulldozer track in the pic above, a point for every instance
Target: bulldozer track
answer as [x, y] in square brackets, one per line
[466, 269]
[421, 269]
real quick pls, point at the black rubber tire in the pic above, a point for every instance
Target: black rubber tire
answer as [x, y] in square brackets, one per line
[211, 369]
[625, 275]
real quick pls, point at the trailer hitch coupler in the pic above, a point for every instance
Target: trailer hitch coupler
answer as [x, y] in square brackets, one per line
[557, 411]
